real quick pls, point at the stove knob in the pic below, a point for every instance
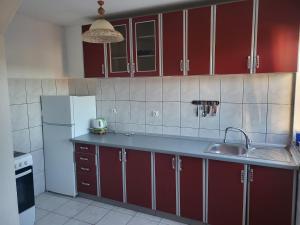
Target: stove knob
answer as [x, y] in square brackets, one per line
[25, 163]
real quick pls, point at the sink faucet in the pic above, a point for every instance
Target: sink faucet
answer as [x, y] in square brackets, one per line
[248, 141]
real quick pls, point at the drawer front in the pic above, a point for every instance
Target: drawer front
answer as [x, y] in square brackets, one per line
[89, 170]
[87, 184]
[85, 148]
[85, 159]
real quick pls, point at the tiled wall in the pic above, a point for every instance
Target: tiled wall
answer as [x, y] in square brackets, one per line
[26, 119]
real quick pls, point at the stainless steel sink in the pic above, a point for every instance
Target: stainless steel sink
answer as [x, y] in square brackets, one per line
[227, 149]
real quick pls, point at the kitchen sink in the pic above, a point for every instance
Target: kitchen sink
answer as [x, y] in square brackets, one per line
[227, 149]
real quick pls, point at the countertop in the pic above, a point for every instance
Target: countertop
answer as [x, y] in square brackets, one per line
[263, 155]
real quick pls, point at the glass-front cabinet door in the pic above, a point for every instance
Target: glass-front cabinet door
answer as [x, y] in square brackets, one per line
[118, 53]
[145, 46]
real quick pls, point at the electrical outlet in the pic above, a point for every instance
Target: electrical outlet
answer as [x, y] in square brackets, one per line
[114, 110]
[155, 113]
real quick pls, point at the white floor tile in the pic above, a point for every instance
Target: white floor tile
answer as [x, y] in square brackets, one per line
[75, 222]
[52, 219]
[141, 221]
[148, 217]
[102, 205]
[123, 210]
[91, 214]
[51, 203]
[41, 198]
[170, 222]
[115, 218]
[83, 200]
[40, 213]
[71, 208]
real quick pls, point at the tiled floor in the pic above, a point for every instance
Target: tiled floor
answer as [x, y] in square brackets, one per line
[52, 209]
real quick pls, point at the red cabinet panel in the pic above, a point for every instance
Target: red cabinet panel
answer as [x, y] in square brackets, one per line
[165, 183]
[225, 193]
[278, 35]
[199, 40]
[138, 178]
[271, 196]
[233, 37]
[111, 173]
[85, 148]
[87, 183]
[191, 188]
[173, 43]
[93, 58]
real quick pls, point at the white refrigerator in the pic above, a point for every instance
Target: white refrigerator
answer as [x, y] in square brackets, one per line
[64, 117]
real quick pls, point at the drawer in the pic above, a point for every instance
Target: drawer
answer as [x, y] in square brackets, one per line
[85, 148]
[86, 169]
[87, 184]
[85, 159]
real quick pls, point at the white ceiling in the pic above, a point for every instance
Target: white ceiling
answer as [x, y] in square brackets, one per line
[66, 12]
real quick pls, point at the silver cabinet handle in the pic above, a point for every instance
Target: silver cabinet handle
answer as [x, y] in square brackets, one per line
[103, 69]
[85, 169]
[188, 65]
[125, 156]
[180, 164]
[120, 156]
[133, 67]
[242, 176]
[85, 184]
[84, 148]
[173, 163]
[257, 62]
[83, 158]
[251, 175]
[181, 65]
[249, 62]
[128, 68]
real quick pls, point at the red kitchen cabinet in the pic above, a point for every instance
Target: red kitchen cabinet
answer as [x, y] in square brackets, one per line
[165, 170]
[119, 53]
[233, 37]
[173, 43]
[111, 181]
[145, 46]
[278, 35]
[191, 188]
[93, 58]
[138, 178]
[225, 193]
[198, 54]
[271, 196]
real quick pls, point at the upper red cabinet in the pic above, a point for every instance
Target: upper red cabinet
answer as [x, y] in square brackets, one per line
[278, 36]
[119, 53]
[233, 37]
[93, 58]
[145, 46]
[198, 41]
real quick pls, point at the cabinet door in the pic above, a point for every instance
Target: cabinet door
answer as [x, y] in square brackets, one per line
[165, 182]
[199, 41]
[233, 37]
[138, 178]
[278, 35]
[271, 196]
[119, 53]
[173, 43]
[225, 193]
[93, 58]
[146, 46]
[191, 188]
[111, 173]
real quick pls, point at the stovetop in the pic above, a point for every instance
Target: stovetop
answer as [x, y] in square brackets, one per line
[17, 154]
[22, 160]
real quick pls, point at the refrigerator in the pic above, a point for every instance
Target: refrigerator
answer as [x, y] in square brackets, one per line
[64, 117]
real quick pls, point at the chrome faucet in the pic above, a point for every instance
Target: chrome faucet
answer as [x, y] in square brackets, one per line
[248, 141]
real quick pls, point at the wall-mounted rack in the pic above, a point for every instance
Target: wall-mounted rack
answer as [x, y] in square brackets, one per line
[206, 107]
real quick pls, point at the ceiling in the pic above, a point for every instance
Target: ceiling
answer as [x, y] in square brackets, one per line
[67, 12]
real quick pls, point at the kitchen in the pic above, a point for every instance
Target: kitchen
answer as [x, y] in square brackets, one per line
[191, 134]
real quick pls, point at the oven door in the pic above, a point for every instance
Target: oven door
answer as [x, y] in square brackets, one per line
[25, 189]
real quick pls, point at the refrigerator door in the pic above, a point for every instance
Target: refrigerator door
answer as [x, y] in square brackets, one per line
[59, 159]
[57, 110]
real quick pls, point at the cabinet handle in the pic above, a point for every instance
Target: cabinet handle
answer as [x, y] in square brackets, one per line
[84, 148]
[180, 164]
[102, 68]
[85, 184]
[120, 156]
[125, 156]
[85, 169]
[242, 176]
[128, 67]
[257, 61]
[173, 163]
[188, 65]
[251, 175]
[133, 67]
[249, 62]
[83, 158]
[181, 65]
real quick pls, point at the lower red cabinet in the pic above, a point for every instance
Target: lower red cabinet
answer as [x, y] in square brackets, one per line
[225, 193]
[138, 178]
[111, 184]
[271, 196]
[191, 188]
[165, 167]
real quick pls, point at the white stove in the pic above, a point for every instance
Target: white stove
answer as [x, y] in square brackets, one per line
[25, 188]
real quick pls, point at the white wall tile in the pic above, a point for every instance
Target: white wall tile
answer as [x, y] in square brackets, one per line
[137, 89]
[122, 88]
[232, 89]
[231, 115]
[207, 133]
[98, 90]
[280, 88]
[49, 87]
[81, 87]
[188, 115]
[38, 161]
[189, 89]
[34, 114]
[281, 139]
[256, 88]
[171, 131]
[123, 111]
[72, 87]
[150, 129]
[33, 90]
[19, 117]
[21, 140]
[210, 88]
[171, 89]
[257, 137]
[107, 111]
[151, 107]
[36, 138]
[189, 132]
[39, 183]
[138, 112]
[98, 108]
[137, 128]
[171, 114]
[62, 87]
[232, 136]
[108, 89]
[122, 127]
[210, 122]
[93, 84]
[17, 91]
[255, 117]
[279, 119]
[154, 89]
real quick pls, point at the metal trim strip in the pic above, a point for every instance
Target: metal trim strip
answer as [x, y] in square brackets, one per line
[245, 194]
[153, 180]
[124, 175]
[294, 202]
[131, 48]
[98, 171]
[212, 39]
[206, 191]
[177, 177]
[184, 42]
[160, 44]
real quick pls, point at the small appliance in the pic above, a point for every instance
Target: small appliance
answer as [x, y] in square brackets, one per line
[99, 123]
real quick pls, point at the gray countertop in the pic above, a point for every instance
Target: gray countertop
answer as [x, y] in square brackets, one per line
[264, 156]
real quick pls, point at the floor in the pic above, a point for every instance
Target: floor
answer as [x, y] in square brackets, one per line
[53, 209]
